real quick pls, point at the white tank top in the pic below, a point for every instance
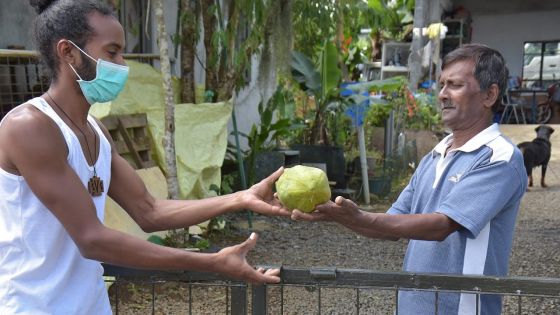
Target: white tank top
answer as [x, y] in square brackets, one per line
[41, 268]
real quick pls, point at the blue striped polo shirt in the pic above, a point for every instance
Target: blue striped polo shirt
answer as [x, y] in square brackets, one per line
[480, 186]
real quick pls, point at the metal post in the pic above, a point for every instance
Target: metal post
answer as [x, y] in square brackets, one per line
[239, 300]
[363, 163]
[258, 293]
[240, 159]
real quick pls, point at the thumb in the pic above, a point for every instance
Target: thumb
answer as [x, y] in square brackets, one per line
[341, 201]
[249, 244]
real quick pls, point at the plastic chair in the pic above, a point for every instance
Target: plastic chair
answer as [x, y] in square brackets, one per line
[515, 106]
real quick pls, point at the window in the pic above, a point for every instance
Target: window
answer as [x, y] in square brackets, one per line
[535, 71]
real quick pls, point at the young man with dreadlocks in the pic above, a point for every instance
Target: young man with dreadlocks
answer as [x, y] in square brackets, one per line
[58, 164]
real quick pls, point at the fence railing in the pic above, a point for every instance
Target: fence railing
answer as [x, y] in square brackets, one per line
[330, 291]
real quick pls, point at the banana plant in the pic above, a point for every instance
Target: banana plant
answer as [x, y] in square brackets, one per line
[321, 82]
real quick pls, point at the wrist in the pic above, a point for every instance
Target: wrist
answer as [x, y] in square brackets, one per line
[239, 201]
[214, 263]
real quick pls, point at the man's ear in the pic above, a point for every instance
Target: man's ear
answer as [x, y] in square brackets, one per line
[491, 95]
[65, 52]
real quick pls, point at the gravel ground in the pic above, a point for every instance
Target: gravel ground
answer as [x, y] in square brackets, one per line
[304, 244]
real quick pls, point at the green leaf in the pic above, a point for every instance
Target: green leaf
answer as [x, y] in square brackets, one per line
[156, 239]
[330, 73]
[304, 72]
[376, 5]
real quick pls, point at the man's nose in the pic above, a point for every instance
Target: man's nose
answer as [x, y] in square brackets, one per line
[443, 95]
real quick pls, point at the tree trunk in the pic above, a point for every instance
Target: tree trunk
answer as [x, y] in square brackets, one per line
[209, 21]
[282, 35]
[169, 136]
[340, 38]
[188, 47]
[227, 74]
[417, 44]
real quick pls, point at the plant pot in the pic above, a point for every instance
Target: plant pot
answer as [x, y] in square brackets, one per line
[332, 156]
[380, 185]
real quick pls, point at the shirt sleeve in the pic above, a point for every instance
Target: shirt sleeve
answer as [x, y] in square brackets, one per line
[481, 194]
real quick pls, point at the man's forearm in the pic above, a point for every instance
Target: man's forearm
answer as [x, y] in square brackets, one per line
[364, 223]
[114, 247]
[172, 214]
[434, 227]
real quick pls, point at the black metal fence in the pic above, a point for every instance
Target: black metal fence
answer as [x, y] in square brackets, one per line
[22, 77]
[315, 291]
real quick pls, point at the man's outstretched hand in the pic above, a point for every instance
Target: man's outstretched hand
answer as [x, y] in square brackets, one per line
[342, 210]
[231, 261]
[261, 198]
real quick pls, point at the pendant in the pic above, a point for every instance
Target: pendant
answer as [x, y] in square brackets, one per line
[95, 186]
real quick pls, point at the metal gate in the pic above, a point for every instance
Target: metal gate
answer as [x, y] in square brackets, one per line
[328, 291]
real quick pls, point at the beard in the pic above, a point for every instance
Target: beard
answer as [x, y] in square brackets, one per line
[88, 69]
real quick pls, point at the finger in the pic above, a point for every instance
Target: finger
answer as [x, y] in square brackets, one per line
[329, 206]
[267, 277]
[314, 216]
[274, 176]
[275, 208]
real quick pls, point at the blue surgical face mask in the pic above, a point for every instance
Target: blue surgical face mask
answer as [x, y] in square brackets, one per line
[108, 83]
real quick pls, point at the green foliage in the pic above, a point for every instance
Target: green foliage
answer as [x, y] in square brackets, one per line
[156, 239]
[321, 83]
[392, 19]
[276, 124]
[202, 244]
[341, 21]
[423, 115]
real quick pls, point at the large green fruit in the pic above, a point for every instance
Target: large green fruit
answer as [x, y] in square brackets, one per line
[303, 188]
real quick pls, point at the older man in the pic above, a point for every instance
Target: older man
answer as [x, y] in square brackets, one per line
[460, 206]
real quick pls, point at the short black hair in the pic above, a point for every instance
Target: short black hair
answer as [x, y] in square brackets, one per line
[59, 19]
[489, 66]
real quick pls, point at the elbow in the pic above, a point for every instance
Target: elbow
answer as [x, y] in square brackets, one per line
[149, 228]
[444, 233]
[149, 223]
[440, 237]
[90, 245]
[148, 219]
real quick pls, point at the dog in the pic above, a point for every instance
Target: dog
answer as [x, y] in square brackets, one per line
[537, 152]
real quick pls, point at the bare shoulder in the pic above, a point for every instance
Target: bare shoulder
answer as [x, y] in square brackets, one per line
[27, 131]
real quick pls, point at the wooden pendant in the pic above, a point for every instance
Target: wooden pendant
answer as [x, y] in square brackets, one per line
[95, 186]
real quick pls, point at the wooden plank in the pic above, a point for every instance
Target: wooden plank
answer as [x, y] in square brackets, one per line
[135, 156]
[139, 144]
[128, 121]
[130, 138]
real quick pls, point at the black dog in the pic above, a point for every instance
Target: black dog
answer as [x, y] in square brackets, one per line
[537, 152]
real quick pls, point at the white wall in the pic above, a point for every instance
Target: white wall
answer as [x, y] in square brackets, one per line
[16, 22]
[507, 33]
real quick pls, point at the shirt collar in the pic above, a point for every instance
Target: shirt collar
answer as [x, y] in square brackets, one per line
[482, 138]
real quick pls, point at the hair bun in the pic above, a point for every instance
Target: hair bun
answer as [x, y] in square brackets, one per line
[41, 5]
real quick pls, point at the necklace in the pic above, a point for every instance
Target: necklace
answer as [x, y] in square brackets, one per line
[95, 184]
